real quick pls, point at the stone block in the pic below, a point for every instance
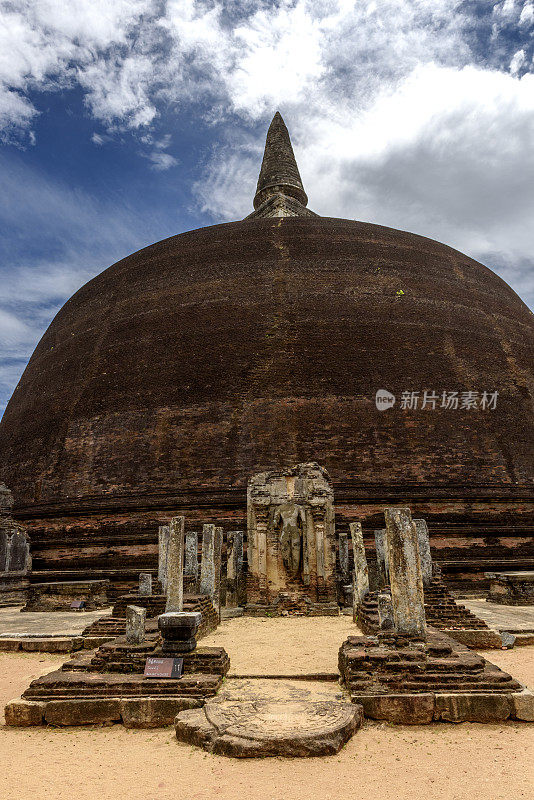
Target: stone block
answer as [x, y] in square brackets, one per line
[145, 584]
[403, 709]
[135, 624]
[507, 639]
[82, 712]
[10, 645]
[24, 713]
[477, 638]
[473, 707]
[55, 644]
[155, 712]
[523, 705]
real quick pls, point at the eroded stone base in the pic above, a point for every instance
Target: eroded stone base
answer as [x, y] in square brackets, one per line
[413, 682]
[258, 718]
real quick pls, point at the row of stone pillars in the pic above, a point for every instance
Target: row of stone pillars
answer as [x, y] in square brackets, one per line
[404, 563]
[208, 580]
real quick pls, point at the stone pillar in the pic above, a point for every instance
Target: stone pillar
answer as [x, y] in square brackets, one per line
[175, 566]
[423, 543]
[234, 567]
[385, 612]
[360, 561]
[382, 558]
[145, 584]
[343, 544]
[163, 552]
[354, 598]
[210, 564]
[217, 553]
[191, 555]
[135, 624]
[207, 565]
[405, 573]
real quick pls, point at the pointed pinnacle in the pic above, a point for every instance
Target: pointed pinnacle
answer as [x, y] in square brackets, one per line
[279, 173]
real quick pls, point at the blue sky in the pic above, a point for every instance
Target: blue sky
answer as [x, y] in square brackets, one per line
[122, 123]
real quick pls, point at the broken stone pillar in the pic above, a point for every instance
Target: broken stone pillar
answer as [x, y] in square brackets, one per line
[210, 564]
[175, 566]
[423, 543]
[145, 584]
[385, 612]
[234, 567]
[382, 557]
[163, 552]
[360, 561]
[405, 576]
[343, 545]
[191, 556]
[178, 630]
[135, 624]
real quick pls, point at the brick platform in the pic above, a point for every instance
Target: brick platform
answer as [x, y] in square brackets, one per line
[115, 625]
[412, 682]
[511, 588]
[58, 596]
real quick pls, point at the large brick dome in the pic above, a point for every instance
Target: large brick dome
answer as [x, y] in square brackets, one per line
[172, 377]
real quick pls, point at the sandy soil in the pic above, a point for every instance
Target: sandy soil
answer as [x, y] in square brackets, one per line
[282, 646]
[386, 762]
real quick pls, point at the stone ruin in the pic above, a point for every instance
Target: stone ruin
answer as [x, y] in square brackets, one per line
[108, 684]
[410, 672]
[405, 671]
[441, 610]
[15, 559]
[511, 588]
[291, 542]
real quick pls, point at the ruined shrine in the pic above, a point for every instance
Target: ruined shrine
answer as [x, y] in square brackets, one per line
[291, 542]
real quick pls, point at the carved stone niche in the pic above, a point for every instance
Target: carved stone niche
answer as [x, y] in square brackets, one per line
[291, 542]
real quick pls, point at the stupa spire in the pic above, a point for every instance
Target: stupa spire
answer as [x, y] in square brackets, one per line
[280, 192]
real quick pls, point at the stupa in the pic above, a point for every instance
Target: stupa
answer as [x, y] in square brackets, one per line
[168, 380]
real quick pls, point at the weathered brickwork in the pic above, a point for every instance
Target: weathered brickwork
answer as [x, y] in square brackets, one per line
[283, 328]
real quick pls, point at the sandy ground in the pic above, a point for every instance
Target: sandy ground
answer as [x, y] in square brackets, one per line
[386, 762]
[282, 646]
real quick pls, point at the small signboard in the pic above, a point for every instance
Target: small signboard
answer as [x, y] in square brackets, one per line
[78, 605]
[164, 667]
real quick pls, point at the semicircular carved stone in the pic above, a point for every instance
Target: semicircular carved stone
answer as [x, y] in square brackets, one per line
[259, 728]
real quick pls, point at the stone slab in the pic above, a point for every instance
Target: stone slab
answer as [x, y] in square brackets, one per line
[32, 644]
[82, 712]
[45, 624]
[473, 707]
[24, 713]
[404, 709]
[254, 729]
[523, 705]
[477, 638]
[515, 619]
[155, 712]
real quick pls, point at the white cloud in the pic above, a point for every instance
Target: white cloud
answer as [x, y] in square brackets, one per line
[394, 118]
[517, 62]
